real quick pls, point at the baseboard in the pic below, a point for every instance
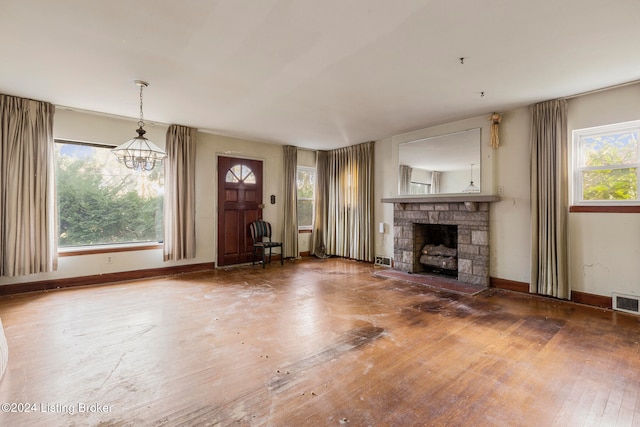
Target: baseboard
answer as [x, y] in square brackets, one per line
[305, 253]
[510, 285]
[591, 299]
[98, 279]
[577, 297]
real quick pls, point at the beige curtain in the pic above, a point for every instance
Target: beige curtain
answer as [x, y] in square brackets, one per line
[405, 178]
[290, 231]
[28, 223]
[549, 204]
[318, 238]
[436, 177]
[180, 194]
[349, 209]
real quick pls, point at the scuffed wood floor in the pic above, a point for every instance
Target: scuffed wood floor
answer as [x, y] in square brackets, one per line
[316, 342]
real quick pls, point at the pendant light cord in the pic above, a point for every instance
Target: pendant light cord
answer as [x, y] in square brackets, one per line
[141, 122]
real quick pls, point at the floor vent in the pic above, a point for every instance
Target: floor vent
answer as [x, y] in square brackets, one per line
[626, 303]
[383, 261]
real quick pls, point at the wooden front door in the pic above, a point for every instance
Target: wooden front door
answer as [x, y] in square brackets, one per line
[239, 204]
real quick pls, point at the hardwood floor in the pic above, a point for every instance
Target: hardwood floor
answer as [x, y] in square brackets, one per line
[316, 342]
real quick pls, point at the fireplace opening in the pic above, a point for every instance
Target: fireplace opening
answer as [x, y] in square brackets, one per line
[436, 249]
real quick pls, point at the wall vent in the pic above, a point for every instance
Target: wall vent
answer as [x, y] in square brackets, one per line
[626, 303]
[383, 261]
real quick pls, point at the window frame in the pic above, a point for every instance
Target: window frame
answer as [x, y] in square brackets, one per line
[578, 204]
[100, 248]
[243, 178]
[312, 198]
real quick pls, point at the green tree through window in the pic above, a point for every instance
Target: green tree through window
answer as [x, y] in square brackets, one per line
[607, 164]
[102, 202]
[619, 183]
[306, 184]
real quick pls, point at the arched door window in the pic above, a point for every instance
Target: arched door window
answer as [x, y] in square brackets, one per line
[240, 174]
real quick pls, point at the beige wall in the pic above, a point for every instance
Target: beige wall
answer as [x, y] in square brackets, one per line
[385, 185]
[603, 248]
[510, 218]
[81, 126]
[210, 146]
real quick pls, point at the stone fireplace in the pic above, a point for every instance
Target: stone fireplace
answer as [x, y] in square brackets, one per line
[470, 217]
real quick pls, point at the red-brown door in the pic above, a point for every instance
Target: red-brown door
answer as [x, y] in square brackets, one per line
[239, 204]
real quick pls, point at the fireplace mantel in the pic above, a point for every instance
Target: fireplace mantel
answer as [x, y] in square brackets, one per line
[470, 201]
[443, 199]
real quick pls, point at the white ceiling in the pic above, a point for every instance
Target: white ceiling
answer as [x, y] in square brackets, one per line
[316, 74]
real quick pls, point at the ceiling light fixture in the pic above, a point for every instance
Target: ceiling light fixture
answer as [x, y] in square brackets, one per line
[139, 153]
[471, 188]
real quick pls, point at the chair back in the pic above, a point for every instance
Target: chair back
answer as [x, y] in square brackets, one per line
[260, 230]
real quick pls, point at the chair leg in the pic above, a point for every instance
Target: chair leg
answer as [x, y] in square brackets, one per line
[282, 255]
[263, 257]
[253, 256]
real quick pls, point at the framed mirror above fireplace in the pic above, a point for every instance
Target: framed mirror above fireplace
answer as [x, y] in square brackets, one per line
[444, 164]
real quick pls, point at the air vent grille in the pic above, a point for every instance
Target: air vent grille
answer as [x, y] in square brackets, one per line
[383, 261]
[626, 303]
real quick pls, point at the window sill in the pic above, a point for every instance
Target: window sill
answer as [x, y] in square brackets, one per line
[605, 209]
[91, 250]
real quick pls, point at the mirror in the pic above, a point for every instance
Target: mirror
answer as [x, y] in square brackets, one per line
[444, 164]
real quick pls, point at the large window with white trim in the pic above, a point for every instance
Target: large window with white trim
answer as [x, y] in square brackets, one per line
[101, 202]
[606, 165]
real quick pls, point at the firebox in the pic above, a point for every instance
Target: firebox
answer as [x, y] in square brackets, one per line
[436, 249]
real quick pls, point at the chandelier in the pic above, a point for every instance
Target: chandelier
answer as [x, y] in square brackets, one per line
[139, 153]
[471, 188]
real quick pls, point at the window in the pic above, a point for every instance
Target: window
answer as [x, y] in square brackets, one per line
[419, 188]
[240, 173]
[606, 164]
[306, 180]
[102, 202]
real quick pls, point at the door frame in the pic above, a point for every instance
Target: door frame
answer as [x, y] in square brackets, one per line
[216, 232]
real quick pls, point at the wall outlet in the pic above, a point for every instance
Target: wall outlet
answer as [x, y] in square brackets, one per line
[109, 260]
[500, 190]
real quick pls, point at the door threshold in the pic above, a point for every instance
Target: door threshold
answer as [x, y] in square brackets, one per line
[231, 266]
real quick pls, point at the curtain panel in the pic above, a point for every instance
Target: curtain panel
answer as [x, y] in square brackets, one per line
[404, 176]
[436, 177]
[290, 231]
[28, 223]
[180, 194]
[318, 236]
[549, 199]
[348, 202]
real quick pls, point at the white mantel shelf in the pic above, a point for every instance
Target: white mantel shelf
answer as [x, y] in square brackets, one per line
[477, 198]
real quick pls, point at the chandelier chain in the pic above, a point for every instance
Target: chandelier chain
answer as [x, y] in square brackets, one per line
[141, 122]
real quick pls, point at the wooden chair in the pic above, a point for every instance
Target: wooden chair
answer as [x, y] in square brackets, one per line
[261, 236]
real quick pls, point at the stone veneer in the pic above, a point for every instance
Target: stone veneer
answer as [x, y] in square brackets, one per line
[472, 219]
